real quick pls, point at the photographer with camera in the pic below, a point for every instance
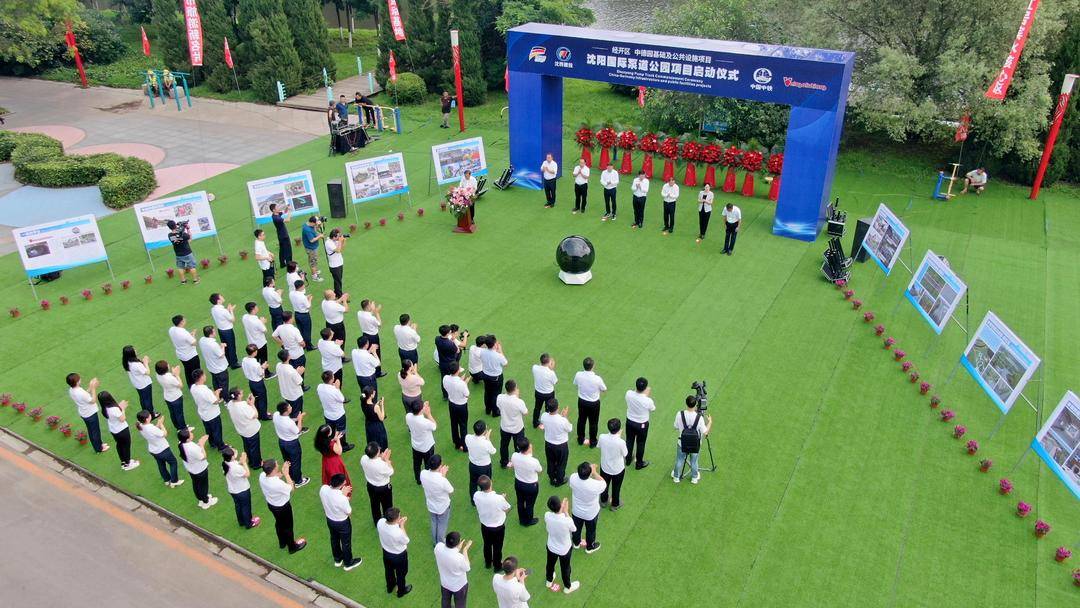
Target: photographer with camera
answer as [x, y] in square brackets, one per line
[334, 244]
[310, 235]
[180, 237]
[692, 426]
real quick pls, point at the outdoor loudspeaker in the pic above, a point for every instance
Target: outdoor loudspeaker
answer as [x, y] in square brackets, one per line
[336, 194]
[861, 227]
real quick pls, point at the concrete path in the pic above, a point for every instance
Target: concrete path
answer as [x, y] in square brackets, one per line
[317, 102]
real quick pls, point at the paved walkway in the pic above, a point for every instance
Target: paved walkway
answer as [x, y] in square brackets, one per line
[317, 101]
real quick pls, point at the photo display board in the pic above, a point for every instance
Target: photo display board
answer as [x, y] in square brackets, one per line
[935, 291]
[452, 159]
[60, 245]
[297, 190]
[373, 178]
[193, 208]
[1058, 442]
[999, 361]
[885, 239]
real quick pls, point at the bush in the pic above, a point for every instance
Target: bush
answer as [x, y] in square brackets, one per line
[409, 89]
[99, 41]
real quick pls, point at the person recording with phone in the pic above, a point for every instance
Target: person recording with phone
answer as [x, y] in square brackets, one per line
[180, 237]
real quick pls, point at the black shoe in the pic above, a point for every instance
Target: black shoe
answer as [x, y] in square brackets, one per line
[347, 447]
[304, 430]
[346, 360]
[305, 388]
[234, 367]
[299, 546]
[354, 563]
[642, 465]
[405, 591]
[531, 522]
[380, 375]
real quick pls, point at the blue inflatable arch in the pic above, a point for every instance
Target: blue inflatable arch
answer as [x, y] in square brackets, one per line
[813, 82]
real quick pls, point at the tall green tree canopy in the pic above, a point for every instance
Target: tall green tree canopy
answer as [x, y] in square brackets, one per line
[27, 36]
[310, 39]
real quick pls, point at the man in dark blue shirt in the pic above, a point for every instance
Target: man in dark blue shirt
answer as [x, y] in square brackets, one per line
[310, 235]
[279, 214]
[342, 108]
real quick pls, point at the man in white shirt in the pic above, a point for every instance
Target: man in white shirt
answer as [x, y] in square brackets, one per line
[290, 339]
[480, 449]
[255, 372]
[560, 528]
[975, 179]
[457, 395]
[491, 508]
[207, 406]
[437, 491]
[216, 362]
[337, 508]
[377, 468]
[476, 359]
[331, 353]
[590, 386]
[639, 189]
[245, 419]
[334, 245]
[301, 303]
[333, 405]
[581, 186]
[527, 471]
[512, 413]
[408, 339]
[556, 441]
[544, 381]
[421, 436]
[184, 345]
[509, 584]
[639, 406]
[263, 257]
[370, 317]
[468, 182]
[690, 422]
[669, 194]
[365, 360]
[452, 560]
[334, 307]
[277, 487]
[705, 201]
[290, 383]
[255, 330]
[586, 487]
[272, 296]
[613, 457]
[732, 220]
[609, 180]
[550, 171]
[395, 546]
[494, 361]
[224, 317]
[288, 433]
[86, 406]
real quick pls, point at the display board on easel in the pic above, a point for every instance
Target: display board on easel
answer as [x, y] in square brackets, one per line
[60, 245]
[294, 190]
[999, 361]
[885, 238]
[193, 208]
[935, 291]
[1058, 442]
[454, 158]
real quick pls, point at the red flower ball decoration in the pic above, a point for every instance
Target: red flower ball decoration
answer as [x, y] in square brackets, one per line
[627, 140]
[691, 151]
[670, 148]
[751, 161]
[584, 137]
[775, 163]
[710, 153]
[649, 143]
[606, 137]
[732, 157]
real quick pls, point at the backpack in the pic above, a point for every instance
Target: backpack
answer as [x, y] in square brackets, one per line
[690, 439]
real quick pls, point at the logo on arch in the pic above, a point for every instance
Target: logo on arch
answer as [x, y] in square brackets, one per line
[563, 54]
[538, 54]
[763, 75]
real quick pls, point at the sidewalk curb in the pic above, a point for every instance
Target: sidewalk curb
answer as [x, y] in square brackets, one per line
[309, 591]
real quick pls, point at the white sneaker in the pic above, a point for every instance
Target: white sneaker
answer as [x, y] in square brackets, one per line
[132, 464]
[338, 564]
[696, 479]
[179, 482]
[674, 478]
[204, 505]
[574, 586]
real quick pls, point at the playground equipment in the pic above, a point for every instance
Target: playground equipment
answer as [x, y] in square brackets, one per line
[158, 82]
[942, 179]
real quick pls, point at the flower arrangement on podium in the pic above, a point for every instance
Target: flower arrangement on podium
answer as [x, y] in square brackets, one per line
[669, 148]
[627, 140]
[460, 202]
[606, 137]
[731, 158]
[710, 155]
[649, 144]
[774, 166]
[691, 153]
[752, 161]
[584, 138]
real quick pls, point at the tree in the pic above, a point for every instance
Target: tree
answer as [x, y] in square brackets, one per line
[310, 38]
[387, 43]
[463, 17]
[216, 25]
[171, 41]
[27, 36]
[563, 12]
[138, 11]
[278, 60]
[423, 40]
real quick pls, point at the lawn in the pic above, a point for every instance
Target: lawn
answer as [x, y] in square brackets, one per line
[836, 483]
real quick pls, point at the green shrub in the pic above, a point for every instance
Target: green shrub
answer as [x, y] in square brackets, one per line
[99, 40]
[409, 89]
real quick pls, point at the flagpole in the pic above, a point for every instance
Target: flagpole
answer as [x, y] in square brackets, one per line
[456, 49]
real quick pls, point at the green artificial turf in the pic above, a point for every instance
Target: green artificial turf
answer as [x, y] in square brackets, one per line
[837, 484]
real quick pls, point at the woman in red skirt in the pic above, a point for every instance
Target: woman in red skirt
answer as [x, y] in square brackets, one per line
[328, 443]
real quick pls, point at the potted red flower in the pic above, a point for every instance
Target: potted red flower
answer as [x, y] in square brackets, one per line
[36, 413]
[899, 354]
[972, 447]
[924, 387]
[222, 259]
[125, 284]
[6, 399]
[751, 161]
[879, 330]
[367, 225]
[584, 138]
[87, 294]
[649, 144]
[985, 464]
[947, 415]
[606, 137]
[959, 431]
[52, 422]
[382, 221]
[935, 401]
[82, 438]
[66, 430]
[848, 293]
[107, 288]
[14, 312]
[731, 158]
[669, 148]
[1005, 487]
[868, 317]
[205, 262]
[913, 377]
[243, 255]
[691, 153]
[888, 342]
[774, 166]
[1041, 528]
[401, 216]
[148, 279]
[710, 155]
[1062, 554]
[64, 300]
[1076, 577]
[18, 407]
[169, 272]
[906, 366]
[420, 212]
[856, 304]
[627, 140]
[353, 228]
[1022, 509]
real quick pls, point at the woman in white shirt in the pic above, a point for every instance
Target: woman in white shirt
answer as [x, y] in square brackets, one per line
[705, 202]
[194, 456]
[172, 391]
[138, 371]
[236, 480]
[158, 447]
[113, 412]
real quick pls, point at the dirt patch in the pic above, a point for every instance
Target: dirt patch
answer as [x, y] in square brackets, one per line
[121, 108]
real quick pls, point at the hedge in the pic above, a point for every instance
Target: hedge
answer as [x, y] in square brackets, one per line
[408, 89]
[40, 160]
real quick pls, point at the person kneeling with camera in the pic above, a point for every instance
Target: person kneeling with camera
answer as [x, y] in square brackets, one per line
[692, 426]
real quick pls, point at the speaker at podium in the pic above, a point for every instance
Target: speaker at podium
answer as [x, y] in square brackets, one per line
[336, 193]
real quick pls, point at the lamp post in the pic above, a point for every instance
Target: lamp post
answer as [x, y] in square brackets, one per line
[456, 48]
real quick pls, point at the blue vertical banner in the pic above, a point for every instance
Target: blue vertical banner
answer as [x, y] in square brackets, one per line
[814, 82]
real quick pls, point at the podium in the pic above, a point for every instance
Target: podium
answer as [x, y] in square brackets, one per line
[465, 223]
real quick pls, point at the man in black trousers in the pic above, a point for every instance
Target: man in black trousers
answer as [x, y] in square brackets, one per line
[336, 507]
[549, 169]
[732, 220]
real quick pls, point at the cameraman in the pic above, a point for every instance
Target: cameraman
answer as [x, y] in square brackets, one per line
[180, 237]
[334, 246]
[692, 426]
[310, 235]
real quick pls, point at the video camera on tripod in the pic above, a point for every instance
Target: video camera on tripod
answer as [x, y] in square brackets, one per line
[701, 394]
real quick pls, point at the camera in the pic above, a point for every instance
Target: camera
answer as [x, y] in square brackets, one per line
[182, 225]
[701, 394]
[345, 235]
[321, 218]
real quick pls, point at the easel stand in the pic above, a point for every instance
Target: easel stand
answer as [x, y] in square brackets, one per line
[712, 461]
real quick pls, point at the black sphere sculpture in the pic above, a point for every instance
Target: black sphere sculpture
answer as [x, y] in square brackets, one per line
[575, 256]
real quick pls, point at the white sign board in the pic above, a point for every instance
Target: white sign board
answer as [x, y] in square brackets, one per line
[192, 208]
[373, 178]
[294, 190]
[999, 361]
[1058, 442]
[885, 239]
[935, 290]
[453, 158]
[60, 245]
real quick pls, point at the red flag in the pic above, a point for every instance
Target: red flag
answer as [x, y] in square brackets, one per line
[393, 67]
[145, 42]
[193, 25]
[228, 54]
[506, 79]
[962, 128]
[69, 39]
[641, 96]
[396, 22]
[1000, 86]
